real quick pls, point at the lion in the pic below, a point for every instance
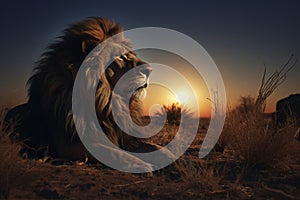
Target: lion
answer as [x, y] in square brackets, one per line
[45, 122]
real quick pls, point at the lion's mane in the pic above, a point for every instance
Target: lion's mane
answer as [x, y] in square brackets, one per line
[48, 119]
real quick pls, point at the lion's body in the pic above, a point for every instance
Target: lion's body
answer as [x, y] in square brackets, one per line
[297, 134]
[47, 118]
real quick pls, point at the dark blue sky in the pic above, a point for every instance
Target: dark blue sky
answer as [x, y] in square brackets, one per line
[241, 36]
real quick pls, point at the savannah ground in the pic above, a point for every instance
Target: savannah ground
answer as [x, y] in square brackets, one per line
[253, 160]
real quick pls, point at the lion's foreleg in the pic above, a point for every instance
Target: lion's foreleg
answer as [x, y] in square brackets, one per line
[125, 161]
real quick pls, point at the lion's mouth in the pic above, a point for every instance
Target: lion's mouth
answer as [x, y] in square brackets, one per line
[142, 87]
[140, 92]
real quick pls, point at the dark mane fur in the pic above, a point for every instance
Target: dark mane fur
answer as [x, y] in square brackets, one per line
[47, 119]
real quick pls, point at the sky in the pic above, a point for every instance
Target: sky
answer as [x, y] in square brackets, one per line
[240, 36]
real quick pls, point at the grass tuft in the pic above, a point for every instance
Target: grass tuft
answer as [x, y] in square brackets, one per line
[255, 138]
[11, 162]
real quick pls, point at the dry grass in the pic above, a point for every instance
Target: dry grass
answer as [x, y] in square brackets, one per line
[165, 135]
[255, 139]
[174, 112]
[202, 174]
[11, 162]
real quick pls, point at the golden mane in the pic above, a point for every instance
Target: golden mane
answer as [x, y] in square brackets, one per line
[48, 119]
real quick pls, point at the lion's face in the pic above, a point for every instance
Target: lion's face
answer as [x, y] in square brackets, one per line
[124, 81]
[137, 80]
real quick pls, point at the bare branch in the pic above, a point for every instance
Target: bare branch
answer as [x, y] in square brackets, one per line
[269, 85]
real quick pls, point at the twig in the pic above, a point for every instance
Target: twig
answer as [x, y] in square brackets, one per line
[277, 191]
[127, 184]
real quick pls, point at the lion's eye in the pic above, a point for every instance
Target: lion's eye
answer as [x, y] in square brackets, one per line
[125, 56]
[124, 60]
[119, 58]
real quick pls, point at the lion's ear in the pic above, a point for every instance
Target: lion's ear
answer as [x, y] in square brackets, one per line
[87, 46]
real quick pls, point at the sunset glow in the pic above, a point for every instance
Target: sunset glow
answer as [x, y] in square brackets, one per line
[182, 97]
[181, 83]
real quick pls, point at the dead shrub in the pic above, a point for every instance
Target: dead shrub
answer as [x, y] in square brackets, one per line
[11, 162]
[255, 139]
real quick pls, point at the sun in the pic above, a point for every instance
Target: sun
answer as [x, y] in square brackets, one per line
[182, 97]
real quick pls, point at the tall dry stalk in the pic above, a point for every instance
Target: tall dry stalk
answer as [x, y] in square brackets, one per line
[251, 136]
[270, 84]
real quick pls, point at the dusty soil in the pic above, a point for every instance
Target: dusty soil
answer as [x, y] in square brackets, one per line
[83, 181]
[57, 179]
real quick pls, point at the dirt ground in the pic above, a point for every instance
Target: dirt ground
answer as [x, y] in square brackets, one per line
[215, 177]
[75, 181]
